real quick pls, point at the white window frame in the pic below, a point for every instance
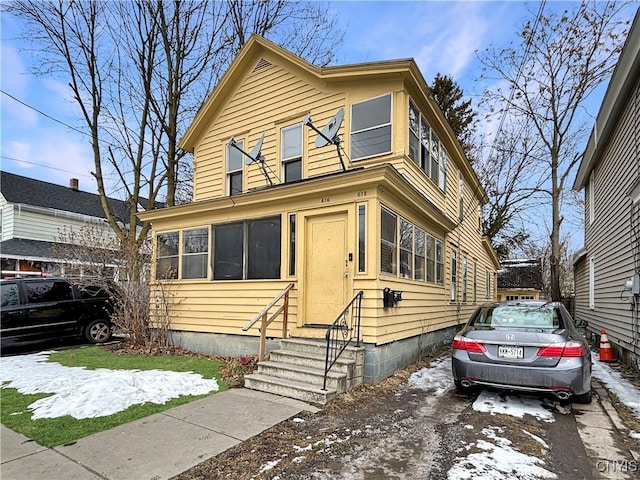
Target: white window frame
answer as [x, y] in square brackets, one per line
[354, 156]
[291, 158]
[454, 275]
[230, 149]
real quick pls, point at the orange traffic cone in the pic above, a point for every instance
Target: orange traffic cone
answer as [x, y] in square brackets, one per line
[606, 352]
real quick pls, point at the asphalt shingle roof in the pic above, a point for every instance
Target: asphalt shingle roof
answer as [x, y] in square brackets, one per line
[27, 248]
[23, 190]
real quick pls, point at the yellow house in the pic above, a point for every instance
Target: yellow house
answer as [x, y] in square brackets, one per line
[403, 214]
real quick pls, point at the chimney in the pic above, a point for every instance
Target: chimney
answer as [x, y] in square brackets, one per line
[73, 184]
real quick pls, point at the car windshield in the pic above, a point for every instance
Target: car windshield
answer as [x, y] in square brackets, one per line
[517, 316]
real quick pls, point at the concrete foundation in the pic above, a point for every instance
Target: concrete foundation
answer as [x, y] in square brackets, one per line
[380, 361]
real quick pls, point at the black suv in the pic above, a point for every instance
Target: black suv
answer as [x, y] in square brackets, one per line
[36, 309]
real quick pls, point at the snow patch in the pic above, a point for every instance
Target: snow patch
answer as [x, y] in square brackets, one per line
[515, 405]
[498, 461]
[625, 391]
[436, 377]
[83, 393]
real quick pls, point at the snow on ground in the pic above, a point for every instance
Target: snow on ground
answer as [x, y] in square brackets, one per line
[83, 393]
[498, 461]
[625, 391]
[436, 377]
[516, 405]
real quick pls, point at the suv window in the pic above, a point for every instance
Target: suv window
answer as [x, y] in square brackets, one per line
[10, 295]
[48, 291]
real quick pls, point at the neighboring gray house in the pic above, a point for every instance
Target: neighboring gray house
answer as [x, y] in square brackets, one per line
[34, 214]
[607, 268]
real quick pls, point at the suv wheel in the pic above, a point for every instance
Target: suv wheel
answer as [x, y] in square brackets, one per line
[98, 331]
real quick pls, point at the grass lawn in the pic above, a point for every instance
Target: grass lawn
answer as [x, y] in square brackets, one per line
[52, 432]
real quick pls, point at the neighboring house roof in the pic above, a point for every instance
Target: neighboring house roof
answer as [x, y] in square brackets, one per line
[623, 80]
[27, 249]
[259, 51]
[521, 274]
[19, 190]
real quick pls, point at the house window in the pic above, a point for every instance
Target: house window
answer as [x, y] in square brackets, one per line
[247, 250]
[488, 290]
[464, 279]
[442, 178]
[388, 242]
[414, 133]
[234, 168]
[435, 157]
[592, 283]
[461, 196]
[475, 282]
[591, 198]
[228, 251]
[195, 253]
[362, 239]
[420, 262]
[371, 127]
[454, 275]
[406, 249]
[292, 244]
[439, 263]
[425, 133]
[431, 259]
[167, 255]
[292, 153]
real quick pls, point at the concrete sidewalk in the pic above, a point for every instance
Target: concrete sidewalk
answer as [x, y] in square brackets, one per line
[154, 448]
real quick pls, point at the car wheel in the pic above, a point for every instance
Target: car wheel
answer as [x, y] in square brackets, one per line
[98, 331]
[584, 398]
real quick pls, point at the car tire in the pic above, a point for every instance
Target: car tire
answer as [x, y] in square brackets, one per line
[98, 331]
[584, 398]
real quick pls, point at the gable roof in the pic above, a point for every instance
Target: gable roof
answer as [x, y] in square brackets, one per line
[624, 78]
[258, 52]
[20, 190]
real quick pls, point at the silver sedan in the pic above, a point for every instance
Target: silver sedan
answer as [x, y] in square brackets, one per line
[529, 346]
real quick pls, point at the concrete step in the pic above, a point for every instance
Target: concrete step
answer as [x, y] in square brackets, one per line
[289, 388]
[317, 347]
[310, 360]
[310, 376]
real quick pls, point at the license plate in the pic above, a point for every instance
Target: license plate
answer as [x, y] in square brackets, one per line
[510, 352]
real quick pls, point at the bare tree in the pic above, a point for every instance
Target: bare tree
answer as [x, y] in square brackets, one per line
[139, 71]
[560, 60]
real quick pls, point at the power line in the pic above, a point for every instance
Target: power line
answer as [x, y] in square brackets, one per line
[44, 114]
[45, 166]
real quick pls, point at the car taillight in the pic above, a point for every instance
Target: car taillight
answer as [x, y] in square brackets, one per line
[569, 349]
[461, 343]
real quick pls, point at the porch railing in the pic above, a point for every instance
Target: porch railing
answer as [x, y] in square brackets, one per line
[342, 332]
[266, 320]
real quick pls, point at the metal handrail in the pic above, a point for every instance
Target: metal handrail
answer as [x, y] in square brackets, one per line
[341, 332]
[262, 315]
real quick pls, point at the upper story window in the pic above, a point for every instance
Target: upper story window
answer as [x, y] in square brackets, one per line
[425, 148]
[291, 153]
[371, 127]
[234, 168]
[461, 196]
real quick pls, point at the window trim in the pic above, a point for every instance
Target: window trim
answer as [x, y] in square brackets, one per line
[293, 233]
[353, 156]
[454, 275]
[284, 161]
[176, 272]
[182, 254]
[362, 238]
[592, 213]
[232, 173]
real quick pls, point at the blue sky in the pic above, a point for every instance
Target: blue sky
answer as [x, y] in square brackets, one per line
[441, 36]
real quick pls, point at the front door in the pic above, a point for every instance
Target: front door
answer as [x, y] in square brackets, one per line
[326, 278]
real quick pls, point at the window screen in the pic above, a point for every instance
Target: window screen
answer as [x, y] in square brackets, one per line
[228, 251]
